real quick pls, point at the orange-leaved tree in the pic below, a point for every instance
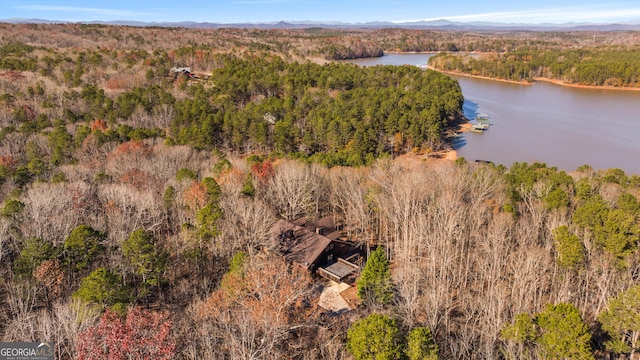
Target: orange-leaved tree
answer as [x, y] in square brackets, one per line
[263, 307]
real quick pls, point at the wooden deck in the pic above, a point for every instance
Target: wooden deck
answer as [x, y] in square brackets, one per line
[338, 270]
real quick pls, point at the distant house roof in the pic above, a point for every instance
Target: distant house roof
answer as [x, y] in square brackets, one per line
[304, 242]
[180, 69]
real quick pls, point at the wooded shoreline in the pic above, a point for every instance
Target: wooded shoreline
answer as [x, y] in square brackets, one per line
[537, 79]
[580, 68]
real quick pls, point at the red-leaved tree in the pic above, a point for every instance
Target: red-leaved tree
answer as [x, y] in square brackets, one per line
[263, 170]
[140, 335]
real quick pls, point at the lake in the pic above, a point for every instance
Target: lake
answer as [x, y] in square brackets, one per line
[558, 125]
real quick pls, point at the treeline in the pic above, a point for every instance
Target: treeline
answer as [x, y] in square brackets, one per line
[409, 40]
[294, 44]
[318, 44]
[596, 67]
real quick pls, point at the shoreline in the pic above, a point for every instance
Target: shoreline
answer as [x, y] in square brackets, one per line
[539, 79]
[480, 77]
[592, 87]
[411, 52]
[461, 125]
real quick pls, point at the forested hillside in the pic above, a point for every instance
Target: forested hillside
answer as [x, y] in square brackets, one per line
[135, 206]
[603, 66]
[313, 43]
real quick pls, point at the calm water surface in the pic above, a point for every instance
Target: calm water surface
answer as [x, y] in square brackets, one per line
[558, 125]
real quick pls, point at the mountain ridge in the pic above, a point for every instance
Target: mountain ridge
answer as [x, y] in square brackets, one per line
[441, 24]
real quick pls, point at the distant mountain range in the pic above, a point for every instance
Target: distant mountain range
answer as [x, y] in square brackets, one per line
[417, 25]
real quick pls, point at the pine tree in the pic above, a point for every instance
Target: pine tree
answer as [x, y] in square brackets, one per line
[375, 337]
[82, 246]
[563, 333]
[145, 256]
[247, 188]
[622, 321]
[558, 332]
[569, 247]
[375, 282]
[421, 345]
[104, 288]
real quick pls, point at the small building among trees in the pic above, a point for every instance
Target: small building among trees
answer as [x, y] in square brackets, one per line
[317, 247]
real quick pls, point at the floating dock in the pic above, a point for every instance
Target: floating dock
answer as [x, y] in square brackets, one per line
[482, 123]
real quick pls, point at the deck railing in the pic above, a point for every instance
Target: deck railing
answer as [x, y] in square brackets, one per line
[327, 275]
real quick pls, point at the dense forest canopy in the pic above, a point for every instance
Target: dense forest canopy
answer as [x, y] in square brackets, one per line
[340, 113]
[135, 202]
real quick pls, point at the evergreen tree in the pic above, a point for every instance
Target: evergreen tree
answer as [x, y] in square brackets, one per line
[207, 217]
[11, 208]
[622, 321]
[558, 332]
[563, 334]
[145, 256]
[569, 247]
[34, 252]
[82, 246]
[375, 282]
[421, 345]
[523, 333]
[375, 337]
[247, 188]
[104, 288]
[629, 204]
[618, 234]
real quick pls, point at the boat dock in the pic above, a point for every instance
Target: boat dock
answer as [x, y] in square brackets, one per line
[482, 123]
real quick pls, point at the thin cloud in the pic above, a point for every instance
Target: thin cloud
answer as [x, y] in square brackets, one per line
[551, 15]
[79, 9]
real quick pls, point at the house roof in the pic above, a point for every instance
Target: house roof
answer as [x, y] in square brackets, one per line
[302, 242]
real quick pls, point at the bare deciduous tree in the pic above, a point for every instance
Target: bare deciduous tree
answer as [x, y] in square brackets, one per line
[246, 222]
[295, 190]
[54, 210]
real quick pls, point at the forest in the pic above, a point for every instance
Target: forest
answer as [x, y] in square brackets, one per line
[136, 203]
[339, 114]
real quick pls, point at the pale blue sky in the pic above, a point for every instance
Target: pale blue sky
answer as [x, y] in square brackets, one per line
[230, 11]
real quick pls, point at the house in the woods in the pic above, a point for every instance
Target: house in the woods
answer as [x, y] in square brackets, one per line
[316, 246]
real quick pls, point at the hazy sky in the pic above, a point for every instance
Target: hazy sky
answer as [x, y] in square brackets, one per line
[229, 11]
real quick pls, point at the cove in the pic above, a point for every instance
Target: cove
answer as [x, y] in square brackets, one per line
[561, 126]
